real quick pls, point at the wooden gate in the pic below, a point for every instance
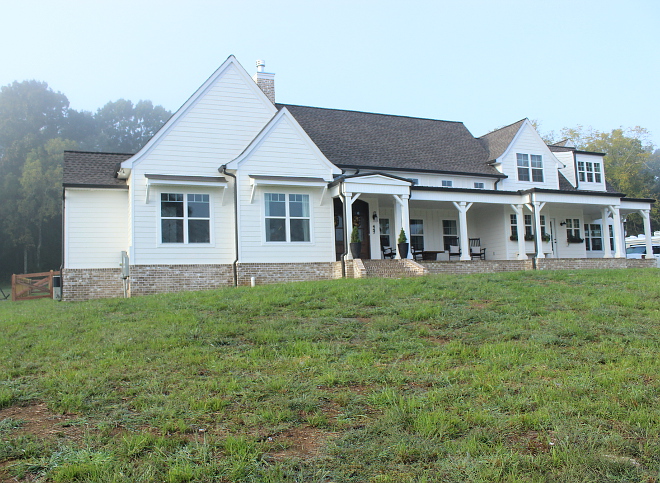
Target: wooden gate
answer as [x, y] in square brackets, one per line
[32, 285]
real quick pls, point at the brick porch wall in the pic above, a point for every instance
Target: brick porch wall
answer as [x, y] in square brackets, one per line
[477, 266]
[592, 263]
[91, 283]
[152, 279]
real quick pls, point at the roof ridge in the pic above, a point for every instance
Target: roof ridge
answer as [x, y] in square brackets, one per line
[368, 112]
[96, 152]
[503, 127]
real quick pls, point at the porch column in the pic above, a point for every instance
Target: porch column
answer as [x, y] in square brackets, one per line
[538, 206]
[646, 214]
[462, 208]
[605, 232]
[520, 227]
[348, 221]
[402, 219]
[618, 232]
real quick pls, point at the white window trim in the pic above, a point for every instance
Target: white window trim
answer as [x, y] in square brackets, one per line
[287, 218]
[530, 169]
[584, 173]
[447, 183]
[186, 244]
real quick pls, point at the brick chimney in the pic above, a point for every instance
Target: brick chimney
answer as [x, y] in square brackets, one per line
[265, 80]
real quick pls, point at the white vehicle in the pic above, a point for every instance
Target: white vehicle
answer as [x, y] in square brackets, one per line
[639, 251]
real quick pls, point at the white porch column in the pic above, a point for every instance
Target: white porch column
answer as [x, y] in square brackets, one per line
[462, 208]
[605, 232]
[520, 227]
[538, 206]
[348, 221]
[619, 240]
[402, 219]
[646, 214]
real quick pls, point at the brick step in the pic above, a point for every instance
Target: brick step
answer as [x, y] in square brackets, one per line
[389, 269]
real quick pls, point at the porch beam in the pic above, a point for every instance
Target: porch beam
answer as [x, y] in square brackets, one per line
[605, 232]
[520, 224]
[462, 208]
[619, 240]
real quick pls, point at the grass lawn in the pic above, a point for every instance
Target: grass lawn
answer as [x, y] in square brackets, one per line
[511, 377]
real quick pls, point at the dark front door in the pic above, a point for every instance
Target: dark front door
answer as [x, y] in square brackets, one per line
[361, 220]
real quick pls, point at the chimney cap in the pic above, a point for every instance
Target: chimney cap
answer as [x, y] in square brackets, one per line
[261, 65]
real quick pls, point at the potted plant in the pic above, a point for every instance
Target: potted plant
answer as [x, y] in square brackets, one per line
[402, 244]
[356, 244]
[545, 237]
[529, 237]
[574, 239]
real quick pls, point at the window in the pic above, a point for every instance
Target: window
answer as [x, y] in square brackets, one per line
[385, 232]
[611, 237]
[447, 183]
[479, 185]
[185, 219]
[417, 234]
[287, 218]
[415, 181]
[530, 171]
[514, 226]
[450, 233]
[589, 172]
[529, 230]
[529, 227]
[572, 228]
[593, 236]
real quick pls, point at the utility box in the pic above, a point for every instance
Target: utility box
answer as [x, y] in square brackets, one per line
[57, 288]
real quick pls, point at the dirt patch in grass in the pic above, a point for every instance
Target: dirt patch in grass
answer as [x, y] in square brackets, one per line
[302, 442]
[37, 419]
[532, 442]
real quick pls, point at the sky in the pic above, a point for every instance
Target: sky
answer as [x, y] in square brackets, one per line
[487, 63]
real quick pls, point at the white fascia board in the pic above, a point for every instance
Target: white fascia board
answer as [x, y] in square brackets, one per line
[631, 206]
[265, 132]
[313, 183]
[192, 100]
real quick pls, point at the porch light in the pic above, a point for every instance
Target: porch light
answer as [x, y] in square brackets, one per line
[374, 216]
[562, 223]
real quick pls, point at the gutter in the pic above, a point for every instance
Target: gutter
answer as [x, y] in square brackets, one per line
[223, 170]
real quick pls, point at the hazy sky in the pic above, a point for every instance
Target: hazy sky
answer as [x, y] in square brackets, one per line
[486, 63]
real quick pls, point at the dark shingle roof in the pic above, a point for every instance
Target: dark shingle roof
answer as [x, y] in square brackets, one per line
[564, 184]
[368, 140]
[559, 149]
[496, 142]
[83, 168]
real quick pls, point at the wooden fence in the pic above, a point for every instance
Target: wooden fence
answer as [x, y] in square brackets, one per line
[32, 285]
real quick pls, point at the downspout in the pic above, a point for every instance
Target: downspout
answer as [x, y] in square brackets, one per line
[496, 181]
[343, 255]
[575, 170]
[63, 245]
[223, 170]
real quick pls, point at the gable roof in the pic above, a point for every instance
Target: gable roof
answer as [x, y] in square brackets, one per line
[89, 169]
[496, 142]
[354, 139]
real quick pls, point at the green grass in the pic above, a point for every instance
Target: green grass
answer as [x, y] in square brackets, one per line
[512, 377]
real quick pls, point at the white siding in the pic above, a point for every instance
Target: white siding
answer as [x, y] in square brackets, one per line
[566, 157]
[96, 227]
[528, 142]
[284, 153]
[215, 130]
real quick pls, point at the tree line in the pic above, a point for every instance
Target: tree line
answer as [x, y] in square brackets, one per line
[37, 126]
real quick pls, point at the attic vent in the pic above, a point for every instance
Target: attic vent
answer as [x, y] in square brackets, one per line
[265, 80]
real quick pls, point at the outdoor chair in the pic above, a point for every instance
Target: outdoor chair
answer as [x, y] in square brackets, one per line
[416, 254]
[475, 249]
[387, 252]
[454, 251]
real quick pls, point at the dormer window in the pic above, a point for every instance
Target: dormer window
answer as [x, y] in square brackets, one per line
[589, 172]
[447, 183]
[530, 167]
[479, 185]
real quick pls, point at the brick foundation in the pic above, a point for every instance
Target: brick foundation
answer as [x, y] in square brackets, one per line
[152, 279]
[94, 283]
[91, 283]
[265, 273]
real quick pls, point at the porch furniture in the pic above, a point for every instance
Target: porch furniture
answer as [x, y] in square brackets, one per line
[387, 252]
[416, 254]
[454, 251]
[475, 249]
[431, 254]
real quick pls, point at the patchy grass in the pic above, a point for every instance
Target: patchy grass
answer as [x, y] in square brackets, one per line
[543, 376]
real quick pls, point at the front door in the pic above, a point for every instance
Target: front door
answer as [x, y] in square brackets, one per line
[553, 237]
[361, 220]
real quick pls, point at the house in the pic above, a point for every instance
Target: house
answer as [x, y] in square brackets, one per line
[236, 188]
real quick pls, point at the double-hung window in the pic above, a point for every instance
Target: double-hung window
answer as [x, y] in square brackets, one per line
[287, 217]
[449, 233]
[593, 236]
[572, 228]
[185, 218]
[417, 234]
[447, 183]
[589, 172]
[530, 167]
